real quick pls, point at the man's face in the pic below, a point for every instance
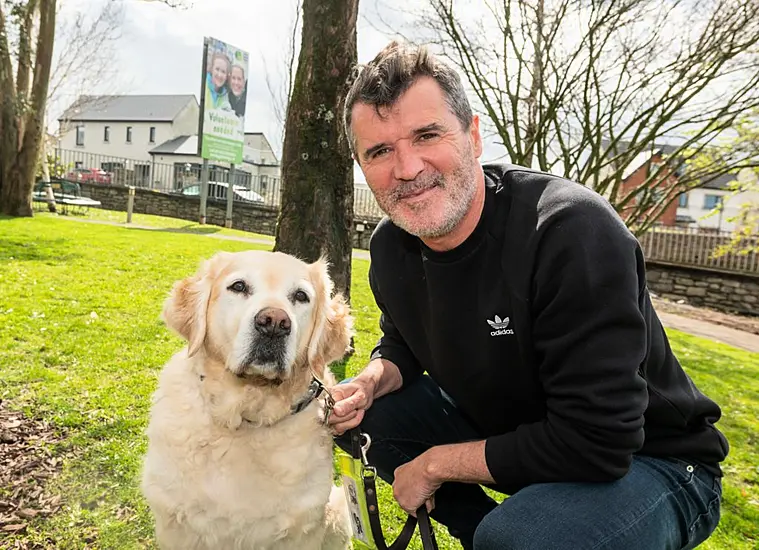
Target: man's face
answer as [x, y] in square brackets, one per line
[219, 72]
[237, 81]
[418, 161]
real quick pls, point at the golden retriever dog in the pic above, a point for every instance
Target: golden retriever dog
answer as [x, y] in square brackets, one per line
[232, 461]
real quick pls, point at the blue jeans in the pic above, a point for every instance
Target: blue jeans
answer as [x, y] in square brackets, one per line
[661, 504]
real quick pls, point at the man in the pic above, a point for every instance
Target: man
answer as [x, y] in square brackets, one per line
[523, 296]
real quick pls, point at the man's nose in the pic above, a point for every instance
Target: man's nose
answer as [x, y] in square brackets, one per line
[408, 163]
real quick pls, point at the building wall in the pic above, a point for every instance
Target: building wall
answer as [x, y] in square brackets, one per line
[696, 210]
[117, 146]
[187, 121]
[636, 180]
[262, 149]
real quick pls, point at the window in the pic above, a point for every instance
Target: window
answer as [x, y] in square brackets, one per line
[152, 134]
[682, 200]
[712, 201]
[107, 134]
[129, 134]
[80, 135]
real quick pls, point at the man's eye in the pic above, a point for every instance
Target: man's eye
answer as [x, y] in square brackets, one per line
[240, 287]
[380, 152]
[427, 136]
[301, 296]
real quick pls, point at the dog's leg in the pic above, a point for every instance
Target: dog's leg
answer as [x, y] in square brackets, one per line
[338, 530]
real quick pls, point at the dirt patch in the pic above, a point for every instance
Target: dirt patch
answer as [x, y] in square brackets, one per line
[27, 463]
[738, 322]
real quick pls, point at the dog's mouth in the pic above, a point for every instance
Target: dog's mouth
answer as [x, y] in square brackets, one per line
[266, 361]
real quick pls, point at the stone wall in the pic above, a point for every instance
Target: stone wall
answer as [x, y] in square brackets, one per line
[245, 217]
[732, 293]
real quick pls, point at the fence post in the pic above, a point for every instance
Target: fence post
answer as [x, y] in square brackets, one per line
[130, 204]
[203, 191]
[230, 196]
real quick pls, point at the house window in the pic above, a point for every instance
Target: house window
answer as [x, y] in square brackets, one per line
[712, 201]
[682, 201]
[107, 134]
[80, 135]
[129, 134]
[152, 134]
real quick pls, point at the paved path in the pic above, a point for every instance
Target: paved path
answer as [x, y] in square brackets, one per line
[712, 331]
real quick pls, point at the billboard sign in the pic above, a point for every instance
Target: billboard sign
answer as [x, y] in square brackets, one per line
[224, 90]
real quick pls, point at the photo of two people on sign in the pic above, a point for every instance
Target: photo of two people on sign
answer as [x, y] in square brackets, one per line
[226, 86]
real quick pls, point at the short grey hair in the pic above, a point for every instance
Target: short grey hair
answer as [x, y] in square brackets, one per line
[385, 78]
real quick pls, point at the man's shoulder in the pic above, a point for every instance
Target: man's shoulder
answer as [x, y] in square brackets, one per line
[546, 197]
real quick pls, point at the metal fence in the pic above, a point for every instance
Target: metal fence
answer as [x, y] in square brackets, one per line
[697, 247]
[184, 178]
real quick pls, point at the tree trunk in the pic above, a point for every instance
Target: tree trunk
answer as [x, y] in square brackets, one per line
[17, 170]
[316, 215]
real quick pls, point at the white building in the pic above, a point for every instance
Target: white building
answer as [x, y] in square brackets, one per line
[714, 205]
[126, 126]
[152, 141]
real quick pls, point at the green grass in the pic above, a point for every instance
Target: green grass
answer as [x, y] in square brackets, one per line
[158, 222]
[81, 345]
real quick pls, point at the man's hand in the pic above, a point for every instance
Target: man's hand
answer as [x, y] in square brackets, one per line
[415, 485]
[351, 401]
[353, 398]
[416, 481]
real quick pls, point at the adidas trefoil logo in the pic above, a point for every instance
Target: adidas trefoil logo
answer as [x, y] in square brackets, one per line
[500, 326]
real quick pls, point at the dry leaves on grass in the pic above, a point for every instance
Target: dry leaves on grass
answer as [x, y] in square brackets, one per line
[26, 466]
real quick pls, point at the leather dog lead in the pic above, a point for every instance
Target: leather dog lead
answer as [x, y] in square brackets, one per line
[369, 476]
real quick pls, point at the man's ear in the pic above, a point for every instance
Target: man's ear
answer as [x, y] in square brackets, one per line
[333, 324]
[186, 309]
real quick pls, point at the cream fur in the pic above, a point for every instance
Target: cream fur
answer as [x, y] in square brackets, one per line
[228, 467]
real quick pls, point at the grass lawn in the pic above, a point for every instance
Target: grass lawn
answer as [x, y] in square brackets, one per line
[159, 222]
[81, 345]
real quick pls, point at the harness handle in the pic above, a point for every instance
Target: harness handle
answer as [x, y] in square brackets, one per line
[369, 474]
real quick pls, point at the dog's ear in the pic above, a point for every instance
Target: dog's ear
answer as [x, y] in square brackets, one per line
[333, 324]
[186, 308]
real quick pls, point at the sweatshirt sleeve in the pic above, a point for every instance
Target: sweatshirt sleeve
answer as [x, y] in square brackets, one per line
[589, 339]
[391, 345]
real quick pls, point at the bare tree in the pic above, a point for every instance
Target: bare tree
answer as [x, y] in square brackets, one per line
[588, 88]
[316, 216]
[85, 57]
[27, 33]
[280, 86]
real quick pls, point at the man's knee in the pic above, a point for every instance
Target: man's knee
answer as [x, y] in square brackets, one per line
[496, 533]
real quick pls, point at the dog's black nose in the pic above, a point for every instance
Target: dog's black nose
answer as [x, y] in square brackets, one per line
[273, 322]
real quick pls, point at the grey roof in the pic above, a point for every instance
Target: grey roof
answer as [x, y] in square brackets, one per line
[115, 108]
[188, 145]
[182, 145]
[720, 182]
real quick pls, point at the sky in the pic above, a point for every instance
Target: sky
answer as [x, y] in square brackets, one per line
[159, 51]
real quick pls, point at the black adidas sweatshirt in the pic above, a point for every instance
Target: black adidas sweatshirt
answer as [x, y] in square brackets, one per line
[541, 329]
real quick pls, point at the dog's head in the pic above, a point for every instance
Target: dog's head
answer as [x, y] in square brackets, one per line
[261, 314]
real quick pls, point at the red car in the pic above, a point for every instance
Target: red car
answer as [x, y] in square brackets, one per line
[89, 175]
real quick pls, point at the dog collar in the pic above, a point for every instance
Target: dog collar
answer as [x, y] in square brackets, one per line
[315, 389]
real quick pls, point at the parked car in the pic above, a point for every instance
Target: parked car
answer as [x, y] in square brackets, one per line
[89, 175]
[218, 190]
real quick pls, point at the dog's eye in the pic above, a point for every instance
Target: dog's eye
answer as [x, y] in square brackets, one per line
[301, 296]
[239, 287]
